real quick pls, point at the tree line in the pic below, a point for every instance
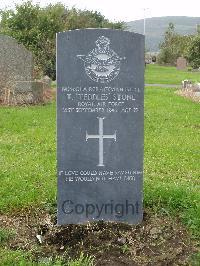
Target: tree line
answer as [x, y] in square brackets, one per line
[176, 45]
[36, 27]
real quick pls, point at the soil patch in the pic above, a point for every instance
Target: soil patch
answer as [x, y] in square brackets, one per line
[158, 240]
[191, 94]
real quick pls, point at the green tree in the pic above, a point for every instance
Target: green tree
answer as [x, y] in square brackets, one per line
[173, 46]
[193, 55]
[36, 28]
[198, 29]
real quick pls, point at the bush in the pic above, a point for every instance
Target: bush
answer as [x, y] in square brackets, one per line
[194, 52]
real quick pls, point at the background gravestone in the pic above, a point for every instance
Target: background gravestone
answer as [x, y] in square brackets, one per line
[181, 63]
[100, 81]
[47, 80]
[16, 74]
[16, 63]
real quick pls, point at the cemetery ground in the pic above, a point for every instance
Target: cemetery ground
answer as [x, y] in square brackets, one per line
[170, 232]
[156, 74]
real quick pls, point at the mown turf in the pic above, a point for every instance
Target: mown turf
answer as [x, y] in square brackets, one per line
[168, 75]
[172, 156]
[13, 258]
[27, 156]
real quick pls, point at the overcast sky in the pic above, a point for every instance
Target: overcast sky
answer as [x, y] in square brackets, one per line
[126, 10]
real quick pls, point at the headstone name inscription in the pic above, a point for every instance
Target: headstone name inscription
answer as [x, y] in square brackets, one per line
[100, 81]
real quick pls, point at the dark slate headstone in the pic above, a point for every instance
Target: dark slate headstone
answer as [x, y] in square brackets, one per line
[100, 82]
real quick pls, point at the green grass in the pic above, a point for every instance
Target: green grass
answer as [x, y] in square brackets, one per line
[27, 157]
[21, 258]
[53, 84]
[172, 155]
[168, 75]
[15, 258]
[5, 235]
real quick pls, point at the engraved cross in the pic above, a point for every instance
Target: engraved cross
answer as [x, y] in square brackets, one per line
[101, 137]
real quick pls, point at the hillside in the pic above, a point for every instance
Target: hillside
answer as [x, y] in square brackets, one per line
[156, 27]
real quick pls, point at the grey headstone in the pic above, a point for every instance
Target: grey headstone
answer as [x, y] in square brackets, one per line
[16, 63]
[100, 81]
[28, 92]
[37, 90]
[22, 87]
[181, 63]
[16, 69]
[47, 80]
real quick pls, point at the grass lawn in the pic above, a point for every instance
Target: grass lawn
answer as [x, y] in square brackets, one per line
[28, 156]
[168, 75]
[172, 156]
[172, 145]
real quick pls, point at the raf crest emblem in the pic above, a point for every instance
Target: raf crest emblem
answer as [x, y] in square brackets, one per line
[102, 64]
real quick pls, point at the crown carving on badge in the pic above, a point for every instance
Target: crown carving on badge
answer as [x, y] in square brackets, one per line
[102, 42]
